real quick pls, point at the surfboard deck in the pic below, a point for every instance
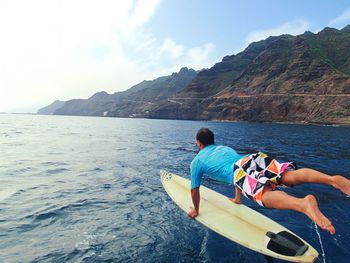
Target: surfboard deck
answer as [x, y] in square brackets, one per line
[238, 223]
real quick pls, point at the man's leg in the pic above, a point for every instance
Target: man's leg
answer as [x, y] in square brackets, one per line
[307, 205]
[306, 175]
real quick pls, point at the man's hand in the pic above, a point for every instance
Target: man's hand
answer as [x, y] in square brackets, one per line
[193, 213]
[235, 200]
[195, 199]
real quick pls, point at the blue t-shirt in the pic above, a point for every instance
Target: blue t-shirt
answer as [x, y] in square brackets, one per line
[216, 161]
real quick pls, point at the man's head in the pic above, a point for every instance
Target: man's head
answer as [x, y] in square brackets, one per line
[204, 138]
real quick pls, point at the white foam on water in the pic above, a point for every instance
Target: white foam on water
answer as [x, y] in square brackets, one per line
[4, 194]
[203, 252]
[319, 239]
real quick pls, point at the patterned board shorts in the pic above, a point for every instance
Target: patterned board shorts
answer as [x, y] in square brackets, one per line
[253, 172]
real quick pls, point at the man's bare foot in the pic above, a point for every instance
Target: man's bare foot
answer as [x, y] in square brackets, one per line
[314, 213]
[342, 184]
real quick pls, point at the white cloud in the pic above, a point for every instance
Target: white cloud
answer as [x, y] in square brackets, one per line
[172, 48]
[143, 11]
[341, 21]
[63, 49]
[294, 27]
[200, 56]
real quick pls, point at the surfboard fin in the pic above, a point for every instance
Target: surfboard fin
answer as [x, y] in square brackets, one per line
[285, 243]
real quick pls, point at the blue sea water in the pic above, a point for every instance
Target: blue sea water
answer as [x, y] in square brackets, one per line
[83, 189]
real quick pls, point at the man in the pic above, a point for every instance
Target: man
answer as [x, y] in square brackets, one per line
[256, 176]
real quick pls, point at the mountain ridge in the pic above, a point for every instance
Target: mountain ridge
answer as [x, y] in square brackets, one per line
[303, 79]
[134, 102]
[286, 78]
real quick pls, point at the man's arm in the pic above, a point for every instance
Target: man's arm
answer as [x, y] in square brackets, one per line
[237, 198]
[195, 199]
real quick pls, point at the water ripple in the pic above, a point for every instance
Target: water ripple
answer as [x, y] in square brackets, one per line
[94, 195]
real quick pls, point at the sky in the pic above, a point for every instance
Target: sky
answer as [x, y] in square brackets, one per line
[70, 49]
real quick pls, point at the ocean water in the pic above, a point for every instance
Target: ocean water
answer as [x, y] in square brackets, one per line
[83, 189]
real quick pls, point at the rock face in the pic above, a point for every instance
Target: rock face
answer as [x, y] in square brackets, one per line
[50, 109]
[303, 78]
[137, 101]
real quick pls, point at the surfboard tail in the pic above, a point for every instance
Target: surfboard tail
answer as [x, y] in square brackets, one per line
[286, 244]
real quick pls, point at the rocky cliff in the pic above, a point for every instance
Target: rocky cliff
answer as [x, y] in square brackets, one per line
[303, 78]
[134, 102]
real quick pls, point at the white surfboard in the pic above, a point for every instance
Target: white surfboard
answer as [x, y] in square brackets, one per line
[239, 223]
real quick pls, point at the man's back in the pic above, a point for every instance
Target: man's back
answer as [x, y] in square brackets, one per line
[215, 161]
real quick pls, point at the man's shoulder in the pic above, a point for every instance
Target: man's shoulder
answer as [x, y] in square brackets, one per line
[196, 164]
[211, 150]
[195, 160]
[223, 148]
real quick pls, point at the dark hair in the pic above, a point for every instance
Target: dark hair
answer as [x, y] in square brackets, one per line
[205, 136]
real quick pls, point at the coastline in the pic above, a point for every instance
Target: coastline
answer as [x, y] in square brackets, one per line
[331, 124]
